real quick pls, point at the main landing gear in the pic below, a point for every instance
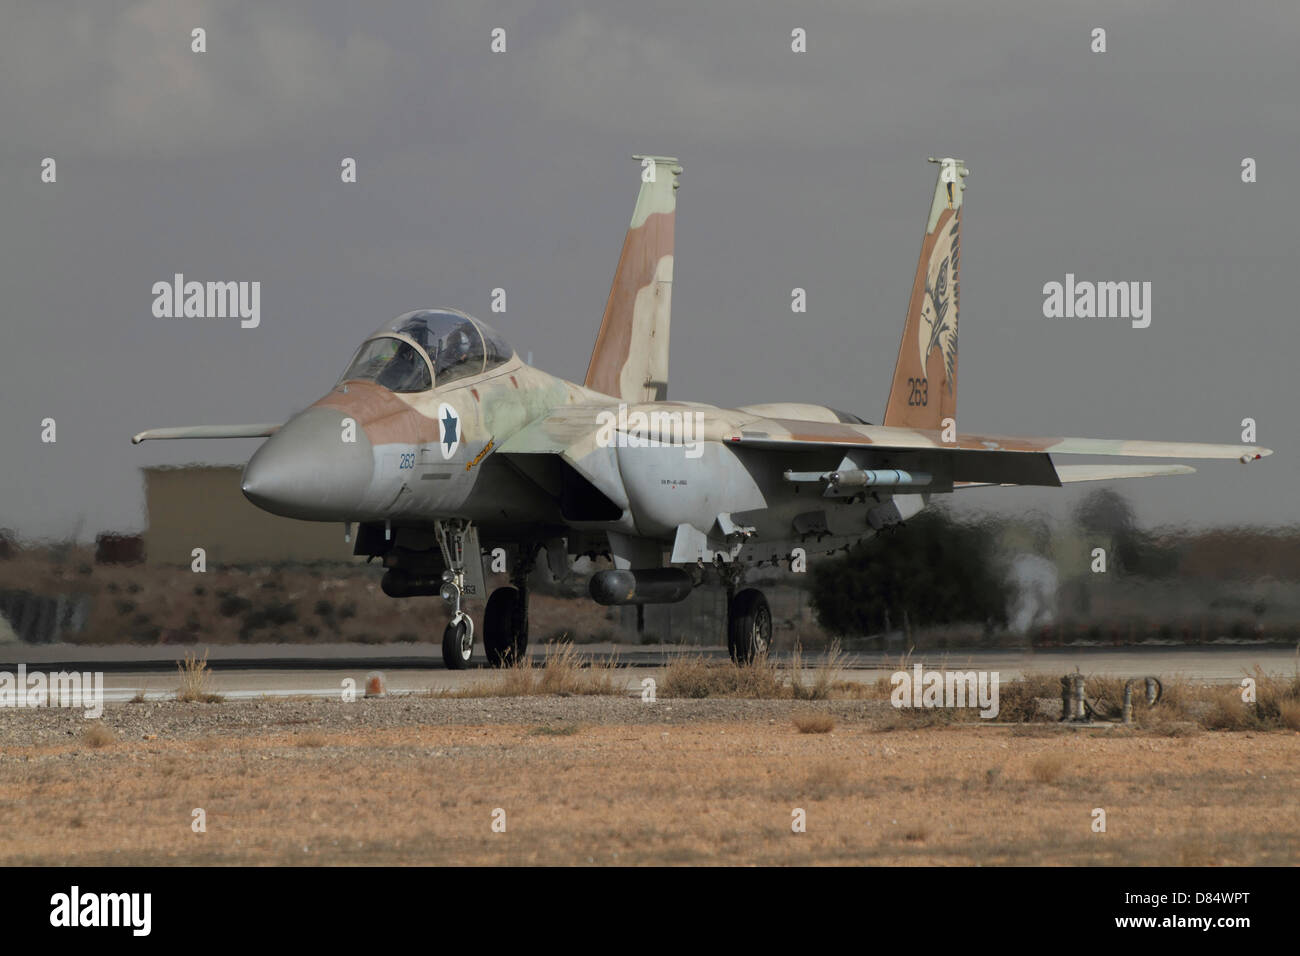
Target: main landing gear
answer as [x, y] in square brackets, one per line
[505, 620]
[749, 626]
[458, 636]
[749, 619]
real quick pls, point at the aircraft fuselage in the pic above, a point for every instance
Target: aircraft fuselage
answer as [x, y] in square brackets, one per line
[365, 454]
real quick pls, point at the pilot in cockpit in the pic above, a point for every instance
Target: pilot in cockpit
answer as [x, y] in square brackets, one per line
[404, 367]
[456, 349]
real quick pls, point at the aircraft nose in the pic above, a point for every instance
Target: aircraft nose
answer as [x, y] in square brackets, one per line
[309, 470]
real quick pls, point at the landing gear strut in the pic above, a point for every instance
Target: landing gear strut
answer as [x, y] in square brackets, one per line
[505, 620]
[458, 637]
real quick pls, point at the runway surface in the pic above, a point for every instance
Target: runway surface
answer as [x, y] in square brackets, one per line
[276, 670]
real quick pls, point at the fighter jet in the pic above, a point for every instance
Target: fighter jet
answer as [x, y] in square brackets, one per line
[441, 446]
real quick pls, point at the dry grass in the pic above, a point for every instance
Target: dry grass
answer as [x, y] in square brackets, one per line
[194, 675]
[1018, 700]
[1048, 768]
[824, 678]
[1289, 714]
[98, 735]
[1186, 707]
[565, 730]
[564, 672]
[814, 723]
[1189, 706]
[695, 676]
[825, 779]
[620, 793]
[1277, 697]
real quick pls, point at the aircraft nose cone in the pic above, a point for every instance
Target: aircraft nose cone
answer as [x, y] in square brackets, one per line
[307, 470]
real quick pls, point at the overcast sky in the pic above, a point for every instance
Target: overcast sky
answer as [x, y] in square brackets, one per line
[479, 169]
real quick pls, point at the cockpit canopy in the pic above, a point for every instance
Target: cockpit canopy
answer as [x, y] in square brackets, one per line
[418, 350]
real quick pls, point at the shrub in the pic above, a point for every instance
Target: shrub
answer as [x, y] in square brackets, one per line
[814, 723]
[97, 735]
[194, 676]
[933, 571]
[232, 605]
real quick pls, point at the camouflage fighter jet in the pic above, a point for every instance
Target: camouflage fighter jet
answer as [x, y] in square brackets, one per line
[440, 445]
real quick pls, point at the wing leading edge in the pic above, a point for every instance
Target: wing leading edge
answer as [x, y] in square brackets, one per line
[206, 431]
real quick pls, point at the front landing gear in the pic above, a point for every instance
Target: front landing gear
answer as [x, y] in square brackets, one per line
[458, 637]
[458, 642]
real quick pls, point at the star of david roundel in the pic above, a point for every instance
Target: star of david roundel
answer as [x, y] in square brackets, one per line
[448, 430]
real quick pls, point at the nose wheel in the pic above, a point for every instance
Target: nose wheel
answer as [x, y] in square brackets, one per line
[458, 642]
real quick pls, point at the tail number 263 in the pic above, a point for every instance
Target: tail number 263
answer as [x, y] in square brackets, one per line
[918, 391]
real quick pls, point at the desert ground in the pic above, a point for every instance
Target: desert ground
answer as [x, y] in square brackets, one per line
[612, 779]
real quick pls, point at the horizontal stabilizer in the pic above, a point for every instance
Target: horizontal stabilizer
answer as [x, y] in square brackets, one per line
[207, 431]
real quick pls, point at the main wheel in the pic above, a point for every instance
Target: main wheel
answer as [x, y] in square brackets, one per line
[505, 627]
[458, 644]
[749, 626]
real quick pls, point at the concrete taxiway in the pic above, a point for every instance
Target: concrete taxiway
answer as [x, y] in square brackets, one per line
[276, 670]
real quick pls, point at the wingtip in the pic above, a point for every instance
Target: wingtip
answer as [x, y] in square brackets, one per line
[1254, 454]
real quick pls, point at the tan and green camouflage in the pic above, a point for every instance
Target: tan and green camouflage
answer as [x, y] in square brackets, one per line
[630, 359]
[611, 468]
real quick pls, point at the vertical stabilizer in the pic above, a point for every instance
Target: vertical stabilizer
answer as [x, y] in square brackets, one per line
[630, 360]
[924, 391]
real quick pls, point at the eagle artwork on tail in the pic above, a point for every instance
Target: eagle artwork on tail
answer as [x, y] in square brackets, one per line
[938, 327]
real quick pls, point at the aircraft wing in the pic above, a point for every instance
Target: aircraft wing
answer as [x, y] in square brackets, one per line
[206, 431]
[795, 434]
[570, 434]
[972, 458]
[1069, 474]
[564, 428]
